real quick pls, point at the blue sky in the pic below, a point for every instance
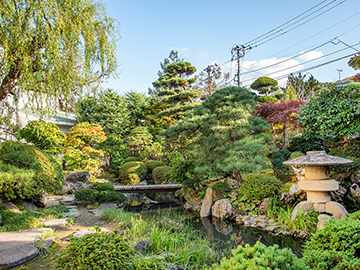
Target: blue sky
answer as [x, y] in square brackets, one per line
[205, 31]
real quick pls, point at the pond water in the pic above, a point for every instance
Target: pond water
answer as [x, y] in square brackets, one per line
[224, 235]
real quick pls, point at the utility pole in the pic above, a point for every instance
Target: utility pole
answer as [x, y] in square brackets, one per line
[237, 52]
[339, 70]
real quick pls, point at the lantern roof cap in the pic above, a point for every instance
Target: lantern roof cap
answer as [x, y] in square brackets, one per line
[317, 158]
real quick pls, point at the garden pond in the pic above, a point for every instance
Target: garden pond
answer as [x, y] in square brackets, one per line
[224, 235]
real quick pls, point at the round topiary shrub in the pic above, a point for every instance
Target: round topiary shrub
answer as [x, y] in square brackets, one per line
[336, 246]
[96, 251]
[86, 195]
[26, 172]
[161, 174]
[136, 167]
[259, 187]
[260, 257]
[152, 164]
[110, 196]
[130, 159]
[103, 187]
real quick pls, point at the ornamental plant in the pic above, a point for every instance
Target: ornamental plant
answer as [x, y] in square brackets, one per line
[46, 136]
[106, 250]
[260, 257]
[79, 151]
[133, 167]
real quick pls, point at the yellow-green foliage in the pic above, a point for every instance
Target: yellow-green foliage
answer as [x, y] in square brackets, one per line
[259, 187]
[152, 164]
[160, 174]
[133, 167]
[26, 172]
[260, 257]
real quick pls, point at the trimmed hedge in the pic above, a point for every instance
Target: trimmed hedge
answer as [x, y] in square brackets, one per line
[160, 174]
[259, 187]
[131, 159]
[26, 172]
[133, 167]
[152, 164]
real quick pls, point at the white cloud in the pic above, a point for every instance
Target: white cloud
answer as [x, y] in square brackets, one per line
[202, 54]
[311, 56]
[184, 51]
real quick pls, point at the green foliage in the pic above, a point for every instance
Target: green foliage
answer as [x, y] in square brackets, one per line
[119, 216]
[185, 173]
[27, 219]
[161, 174]
[138, 139]
[152, 164]
[154, 151]
[131, 159]
[79, 151]
[265, 85]
[135, 167]
[102, 193]
[307, 143]
[333, 111]
[259, 187]
[106, 250]
[296, 154]
[26, 172]
[134, 179]
[174, 158]
[220, 188]
[103, 186]
[136, 106]
[46, 136]
[52, 48]
[266, 99]
[260, 257]
[337, 246]
[115, 150]
[225, 137]
[281, 171]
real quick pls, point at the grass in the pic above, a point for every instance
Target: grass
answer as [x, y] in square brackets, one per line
[117, 215]
[27, 219]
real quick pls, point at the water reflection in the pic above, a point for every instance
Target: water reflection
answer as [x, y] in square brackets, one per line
[224, 235]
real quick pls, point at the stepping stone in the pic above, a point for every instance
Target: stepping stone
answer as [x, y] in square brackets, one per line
[74, 213]
[98, 211]
[29, 206]
[60, 222]
[18, 247]
[10, 206]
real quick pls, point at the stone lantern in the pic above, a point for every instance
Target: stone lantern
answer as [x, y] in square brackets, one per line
[317, 183]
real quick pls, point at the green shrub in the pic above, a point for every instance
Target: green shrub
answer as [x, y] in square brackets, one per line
[134, 179]
[115, 164]
[337, 246]
[103, 187]
[161, 174]
[281, 171]
[260, 257]
[152, 164]
[184, 172]
[296, 154]
[87, 195]
[96, 251]
[26, 172]
[220, 188]
[92, 195]
[307, 143]
[136, 167]
[259, 187]
[131, 159]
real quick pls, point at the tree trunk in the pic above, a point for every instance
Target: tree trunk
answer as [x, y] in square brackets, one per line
[239, 179]
[284, 137]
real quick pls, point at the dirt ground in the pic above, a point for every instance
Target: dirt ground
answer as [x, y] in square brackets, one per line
[85, 221]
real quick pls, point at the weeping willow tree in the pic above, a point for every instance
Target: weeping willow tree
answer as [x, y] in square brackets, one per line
[51, 49]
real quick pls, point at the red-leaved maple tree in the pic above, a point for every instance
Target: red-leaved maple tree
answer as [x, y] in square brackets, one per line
[281, 116]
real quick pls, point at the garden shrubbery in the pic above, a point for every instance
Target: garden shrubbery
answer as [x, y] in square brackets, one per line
[259, 187]
[337, 246]
[106, 250]
[281, 171]
[132, 167]
[260, 257]
[26, 172]
[152, 164]
[161, 174]
[100, 192]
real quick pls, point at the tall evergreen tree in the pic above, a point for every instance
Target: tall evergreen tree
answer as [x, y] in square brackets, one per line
[226, 137]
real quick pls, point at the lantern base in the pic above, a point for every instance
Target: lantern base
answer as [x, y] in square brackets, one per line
[334, 208]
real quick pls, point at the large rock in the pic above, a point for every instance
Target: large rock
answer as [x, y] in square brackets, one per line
[72, 187]
[264, 206]
[207, 203]
[29, 206]
[355, 192]
[78, 176]
[10, 206]
[322, 219]
[222, 209]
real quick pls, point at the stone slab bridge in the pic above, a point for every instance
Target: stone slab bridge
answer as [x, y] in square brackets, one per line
[148, 188]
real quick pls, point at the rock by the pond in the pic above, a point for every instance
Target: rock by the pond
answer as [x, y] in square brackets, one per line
[207, 203]
[146, 200]
[322, 219]
[78, 176]
[222, 209]
[10, 206]
[271, 229]
[18, 247]
[98, 211]
[264, 206]
[142, 246]
[355, 192]
[29, 206]
[222, 227]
